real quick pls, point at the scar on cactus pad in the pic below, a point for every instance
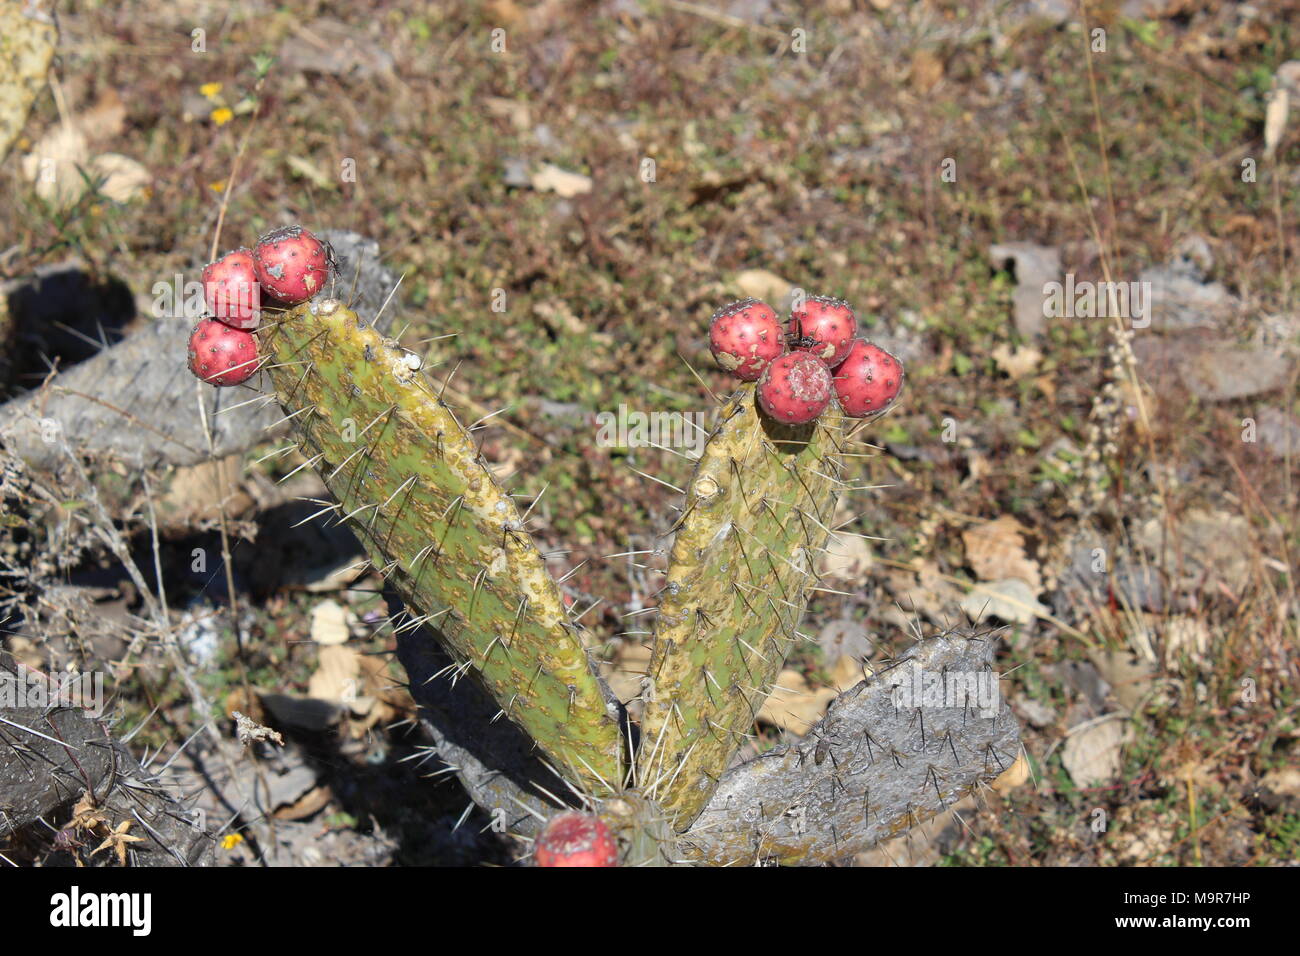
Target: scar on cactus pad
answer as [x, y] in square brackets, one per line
[795, 388]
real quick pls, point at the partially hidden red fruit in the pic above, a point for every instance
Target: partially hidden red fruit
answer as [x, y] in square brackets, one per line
[795, 388]
[231, 289]
[291, 264]
[220, 355]
[868, 380]
[576, 839]
[744, 337]
[823, 327]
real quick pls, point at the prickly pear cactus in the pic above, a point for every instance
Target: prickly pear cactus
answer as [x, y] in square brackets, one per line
[757, 513]
[410, 483]
[452, 544]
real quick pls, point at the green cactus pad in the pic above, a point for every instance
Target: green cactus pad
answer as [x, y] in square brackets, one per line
[758, 511]
[411, 485]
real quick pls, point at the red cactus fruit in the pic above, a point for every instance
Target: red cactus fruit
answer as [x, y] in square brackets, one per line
[576, 839]
[221, 355]
[868, 380]
[744, 337]
[291, 264]
[231, 290]
[795, 388]
[823, 327]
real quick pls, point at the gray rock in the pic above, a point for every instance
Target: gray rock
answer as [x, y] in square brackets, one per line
[516, 173]
[324, 45]
[1036, 713]
[1213, 369]
[1205, 547]
[1051, 11]
[1084, 678]
[1135, 585]
[1180, 300]
[1278, 433]
[1221, 371]
[1144, 9]
[900, 337]
[844, 637]
[751, 11]
[1034, 266]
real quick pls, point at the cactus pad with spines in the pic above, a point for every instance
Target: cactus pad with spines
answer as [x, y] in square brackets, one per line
[757, 513]
[412, 486]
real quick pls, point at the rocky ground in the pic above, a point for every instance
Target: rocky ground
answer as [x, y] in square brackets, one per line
[1117, 491]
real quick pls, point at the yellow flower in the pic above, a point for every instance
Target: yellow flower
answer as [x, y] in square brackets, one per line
[231, 840]
[218, 187]
[210, 90]
[222, 116]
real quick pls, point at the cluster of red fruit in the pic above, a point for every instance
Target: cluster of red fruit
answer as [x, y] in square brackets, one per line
[286, 267]
[801, 367]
